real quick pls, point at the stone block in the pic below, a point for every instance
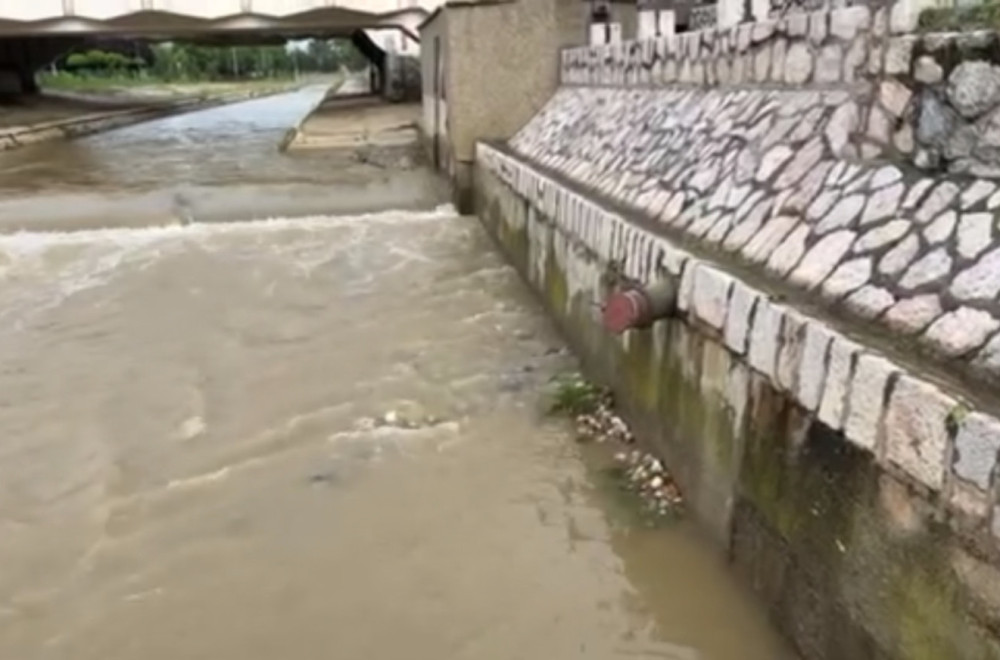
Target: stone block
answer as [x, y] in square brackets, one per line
[838, 378]
[848, 277]
[788, 254]
[929, 268]
[876, 58]
[829, 64]
[847, 22]
[866, 400]
[798, 64]
[737, 393]
[894, 96]
[903, 139]
[685, 291]
[813, 364]
[869, 301]
[882, 235]
[941, 229]
[961, 331]
[911, 315]
[879, 125]
[843, 214]
[765, 336]
[988, 359]
[854, 58]
[710, 295]
[842, 125]
[916, 194]
[974, 87]
[793, 336]
[742, 302]
[899, 257]
[822, 258]
[936, 120]
[975, 233]
[979, 190]
[970, 501]
[823, 203]
[762, 63]
[772, 161]
[818, 29]
[885, 176]
[977, 444]
[673, 260]
[779, 54]
[904, 16]
[926, 70]
[880, 23]
[916, 430]
[805, 191]
[980, 281]
[937, 201]
[798, 24]
[805, 160]
[899, 54]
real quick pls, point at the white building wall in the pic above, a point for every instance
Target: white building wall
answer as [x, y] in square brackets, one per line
[397, 41]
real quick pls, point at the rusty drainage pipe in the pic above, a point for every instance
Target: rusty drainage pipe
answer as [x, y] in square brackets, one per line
[636, 307]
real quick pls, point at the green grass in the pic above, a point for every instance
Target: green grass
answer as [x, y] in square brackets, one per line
[71, 81]
[985, 16]
[572, 394]
[78, 83]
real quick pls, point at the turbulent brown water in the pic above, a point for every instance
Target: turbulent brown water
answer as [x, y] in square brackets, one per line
[205, 442]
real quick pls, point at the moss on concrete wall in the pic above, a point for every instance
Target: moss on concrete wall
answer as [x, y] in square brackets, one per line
[852, 563]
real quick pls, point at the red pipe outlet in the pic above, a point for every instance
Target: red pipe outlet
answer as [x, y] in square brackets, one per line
[625, 310]
[634, 308]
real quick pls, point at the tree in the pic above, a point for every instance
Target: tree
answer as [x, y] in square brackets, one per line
[192, 62]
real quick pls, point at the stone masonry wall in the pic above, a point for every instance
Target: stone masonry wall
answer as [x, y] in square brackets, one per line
[857, 494]
[753, 174]
[822, 48]
[830, 131]
[930, 99]
[825, 187]
[955, 105]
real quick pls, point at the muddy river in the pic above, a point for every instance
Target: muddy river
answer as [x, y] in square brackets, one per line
[244, 416]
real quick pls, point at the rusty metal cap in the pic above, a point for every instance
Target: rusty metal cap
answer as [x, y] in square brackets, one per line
[624, 310]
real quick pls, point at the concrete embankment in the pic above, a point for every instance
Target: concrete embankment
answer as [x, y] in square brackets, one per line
[90, 122]
[362, 126]
[821, 389]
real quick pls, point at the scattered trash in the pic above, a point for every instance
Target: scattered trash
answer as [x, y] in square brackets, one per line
[593, 412]
[603, 424]
[645, 475]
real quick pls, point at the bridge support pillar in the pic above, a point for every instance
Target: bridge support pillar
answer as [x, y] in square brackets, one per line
[17, 81]
[20, 58]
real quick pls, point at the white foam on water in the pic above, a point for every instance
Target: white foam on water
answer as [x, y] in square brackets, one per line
[39, 270]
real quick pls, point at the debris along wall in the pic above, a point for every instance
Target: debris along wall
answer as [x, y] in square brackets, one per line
[855, 494]
[828, 201]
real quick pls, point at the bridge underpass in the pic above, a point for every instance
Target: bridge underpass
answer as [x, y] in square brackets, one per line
[33, 34]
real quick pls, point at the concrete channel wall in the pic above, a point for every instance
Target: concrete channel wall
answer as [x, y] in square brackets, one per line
[826, 394]
[98, 122]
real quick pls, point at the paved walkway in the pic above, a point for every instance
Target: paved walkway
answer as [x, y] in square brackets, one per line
[352, 118]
